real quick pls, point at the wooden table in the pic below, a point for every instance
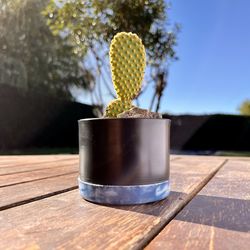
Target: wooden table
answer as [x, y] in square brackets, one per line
[208, 208]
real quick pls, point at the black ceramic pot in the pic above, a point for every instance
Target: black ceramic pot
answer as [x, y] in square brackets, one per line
[124, 161]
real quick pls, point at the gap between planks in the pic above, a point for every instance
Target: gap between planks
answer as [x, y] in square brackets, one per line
[33, 180]
[30, 165]
[216, 218]
[23, 202]
[16, 178]
[29, 192]
[28, 162]
[40, 197]
[157, 229]
[125, 226]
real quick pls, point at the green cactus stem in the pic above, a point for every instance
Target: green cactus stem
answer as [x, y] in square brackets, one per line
[128, 62]
[117, 106]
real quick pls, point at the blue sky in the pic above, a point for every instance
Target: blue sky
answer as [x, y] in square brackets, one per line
[213, 72]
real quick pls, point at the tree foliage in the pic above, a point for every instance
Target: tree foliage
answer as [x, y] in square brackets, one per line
[245, 108]
[31, 56]
[90, 25]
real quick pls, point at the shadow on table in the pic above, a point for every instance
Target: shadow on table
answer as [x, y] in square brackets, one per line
[227, 213]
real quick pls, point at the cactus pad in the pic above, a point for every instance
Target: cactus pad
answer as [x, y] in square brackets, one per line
[128, 61]
[117, 106]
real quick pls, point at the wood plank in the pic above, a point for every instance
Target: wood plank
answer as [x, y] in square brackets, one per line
[203, 157]
[29, 167]
[66, 221]
[16, 163]
[6, 161]
[43, 188]
[31, 191]
[12, 161]
[174, 157]
[54, 156]
[13, 179]
[217, 218]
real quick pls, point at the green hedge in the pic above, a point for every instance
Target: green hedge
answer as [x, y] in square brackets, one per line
[211, 132]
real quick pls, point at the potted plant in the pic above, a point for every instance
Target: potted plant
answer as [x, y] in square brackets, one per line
[124, 156]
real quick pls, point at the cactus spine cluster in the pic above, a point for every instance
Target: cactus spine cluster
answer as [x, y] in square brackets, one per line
[128, 61]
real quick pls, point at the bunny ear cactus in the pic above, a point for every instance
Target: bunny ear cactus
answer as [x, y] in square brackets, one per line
[128, 62]
[117, 106]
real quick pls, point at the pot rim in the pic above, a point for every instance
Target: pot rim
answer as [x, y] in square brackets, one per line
[132, 118]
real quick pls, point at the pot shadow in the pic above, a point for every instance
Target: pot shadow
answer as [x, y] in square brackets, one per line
[227, 213]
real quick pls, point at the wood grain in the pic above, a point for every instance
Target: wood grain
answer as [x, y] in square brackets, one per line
[65, 221]
[29, 167]
[25, 161]
[41, 188]
[31, 191]
[217, 218]
[23, 177]
[213, 157]
[8, 161]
